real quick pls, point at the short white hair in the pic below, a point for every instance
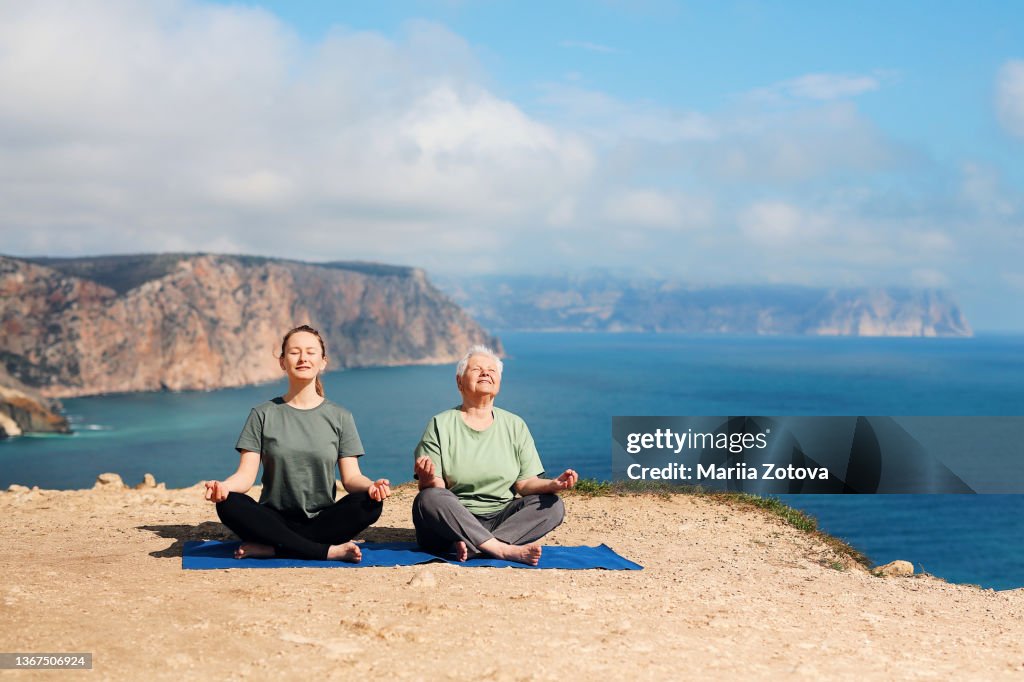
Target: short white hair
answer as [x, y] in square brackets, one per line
[478, 349]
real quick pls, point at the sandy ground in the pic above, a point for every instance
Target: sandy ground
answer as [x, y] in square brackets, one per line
[726, 592]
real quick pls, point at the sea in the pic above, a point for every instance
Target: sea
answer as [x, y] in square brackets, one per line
[568, 386]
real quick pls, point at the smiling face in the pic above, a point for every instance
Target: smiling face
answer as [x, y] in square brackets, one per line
[303, 356]
[481, 377]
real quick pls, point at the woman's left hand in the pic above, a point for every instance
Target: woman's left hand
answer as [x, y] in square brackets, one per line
[379, 490]
[566, 480]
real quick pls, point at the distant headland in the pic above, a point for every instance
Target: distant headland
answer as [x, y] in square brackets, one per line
[612, 304]
[104, 324]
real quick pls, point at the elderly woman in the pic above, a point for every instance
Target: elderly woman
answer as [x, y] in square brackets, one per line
[471, 463]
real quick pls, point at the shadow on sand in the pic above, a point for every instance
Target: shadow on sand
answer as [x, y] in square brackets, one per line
[211, 530]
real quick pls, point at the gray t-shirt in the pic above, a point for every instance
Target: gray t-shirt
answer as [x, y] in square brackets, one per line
[299, 450]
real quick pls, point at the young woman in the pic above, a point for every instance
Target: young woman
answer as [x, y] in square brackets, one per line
[299, 437]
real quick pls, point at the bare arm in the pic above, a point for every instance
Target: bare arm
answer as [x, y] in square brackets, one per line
[239, 482]
[353, 480]
[539, 486]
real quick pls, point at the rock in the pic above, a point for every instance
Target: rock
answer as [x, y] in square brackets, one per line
[148, 481]
[201, 322]
[15, 488]
[8, 427]
[895, 569]
[24, 410]
[108, 481]
[423, 578]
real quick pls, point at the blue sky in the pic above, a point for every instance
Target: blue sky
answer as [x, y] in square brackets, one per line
[936, 60]
[837, 144]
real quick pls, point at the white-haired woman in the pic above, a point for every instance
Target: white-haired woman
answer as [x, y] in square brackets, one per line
[472, 462]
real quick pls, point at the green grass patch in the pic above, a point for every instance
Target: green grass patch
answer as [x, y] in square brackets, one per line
[591, 487]
[773, 505]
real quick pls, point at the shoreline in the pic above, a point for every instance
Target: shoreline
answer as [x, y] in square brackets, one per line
[439, 361]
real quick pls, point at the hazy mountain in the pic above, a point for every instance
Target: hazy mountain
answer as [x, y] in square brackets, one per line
[558, 303]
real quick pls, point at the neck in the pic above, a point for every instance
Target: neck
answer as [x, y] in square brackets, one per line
[303, 394]
[478, 406]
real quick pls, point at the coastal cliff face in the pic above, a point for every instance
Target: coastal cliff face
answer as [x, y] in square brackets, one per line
[182, 322]
[880, 312]
[22, 409]
[616, 305]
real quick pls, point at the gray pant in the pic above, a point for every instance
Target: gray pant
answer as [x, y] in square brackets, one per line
[441, 521]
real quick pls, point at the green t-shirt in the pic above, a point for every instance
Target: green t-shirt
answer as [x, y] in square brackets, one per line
[480, 467]
[299, 450]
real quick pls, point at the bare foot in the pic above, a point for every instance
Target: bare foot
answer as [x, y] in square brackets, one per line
[254, 550]
[459, 551]
[348, 551]
[523, 554]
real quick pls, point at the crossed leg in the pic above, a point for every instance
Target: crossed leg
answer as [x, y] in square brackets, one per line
[445, 527]
[266, 532]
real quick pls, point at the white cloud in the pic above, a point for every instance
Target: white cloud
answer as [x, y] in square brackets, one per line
[981, 186]
[177, 125]
[838, 240]
[749, 143]
[563, 213]
[827, 86]
[1010, 96]
[924, 277]
[816, 88]
[801, 145]
[657, 209]
[607, 118]
[930, 241]
[131, 127]
[642, 207]
[256, 188]
[773, 222]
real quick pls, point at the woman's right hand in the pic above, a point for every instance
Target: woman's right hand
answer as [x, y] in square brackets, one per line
[424, 469]
[426, 473]
[216, 491]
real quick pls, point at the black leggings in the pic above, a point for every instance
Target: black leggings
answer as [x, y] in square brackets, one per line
[299, 536]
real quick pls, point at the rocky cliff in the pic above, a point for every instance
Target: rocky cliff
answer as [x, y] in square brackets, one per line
[612, 304]
[73, 327]
[22, 409]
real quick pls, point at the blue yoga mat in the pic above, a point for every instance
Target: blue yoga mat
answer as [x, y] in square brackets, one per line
[212, 554]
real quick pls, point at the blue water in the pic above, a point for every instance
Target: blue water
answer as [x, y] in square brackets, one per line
[568, 386]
